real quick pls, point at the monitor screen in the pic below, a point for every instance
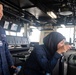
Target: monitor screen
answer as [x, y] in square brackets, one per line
[6, 25]
[14, 27]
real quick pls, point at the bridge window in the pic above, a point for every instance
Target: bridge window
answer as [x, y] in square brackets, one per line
[15, 33]
[10, 33]
[67, 32]
[35, 35]
[7, 32]
[21, 32]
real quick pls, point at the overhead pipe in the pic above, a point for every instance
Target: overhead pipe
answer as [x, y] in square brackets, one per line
[14, 7]
[16, 16]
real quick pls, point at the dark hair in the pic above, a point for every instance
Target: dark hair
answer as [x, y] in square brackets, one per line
[2, 4]
[51, 41]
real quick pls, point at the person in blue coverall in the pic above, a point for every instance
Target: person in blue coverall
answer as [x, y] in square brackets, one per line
[44, 57]
[6, 61]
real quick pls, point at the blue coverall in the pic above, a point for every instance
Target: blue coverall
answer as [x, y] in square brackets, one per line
[38, 63]
[5, 56]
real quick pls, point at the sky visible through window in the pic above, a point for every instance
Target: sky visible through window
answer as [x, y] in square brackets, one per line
[35, 36]
[67, 32]
[14, 33]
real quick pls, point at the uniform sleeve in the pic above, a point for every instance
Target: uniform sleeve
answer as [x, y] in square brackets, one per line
[46, 64]
[8, 56]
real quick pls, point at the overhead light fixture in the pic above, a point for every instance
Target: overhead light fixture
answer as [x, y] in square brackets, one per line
[66, 13]
[22, 16]
[32, 27]
[51, 14]
[23, 9]
[70, 23]
[62, 25]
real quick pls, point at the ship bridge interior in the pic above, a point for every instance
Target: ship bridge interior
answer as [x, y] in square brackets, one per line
[27, 22]
[41, 12]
